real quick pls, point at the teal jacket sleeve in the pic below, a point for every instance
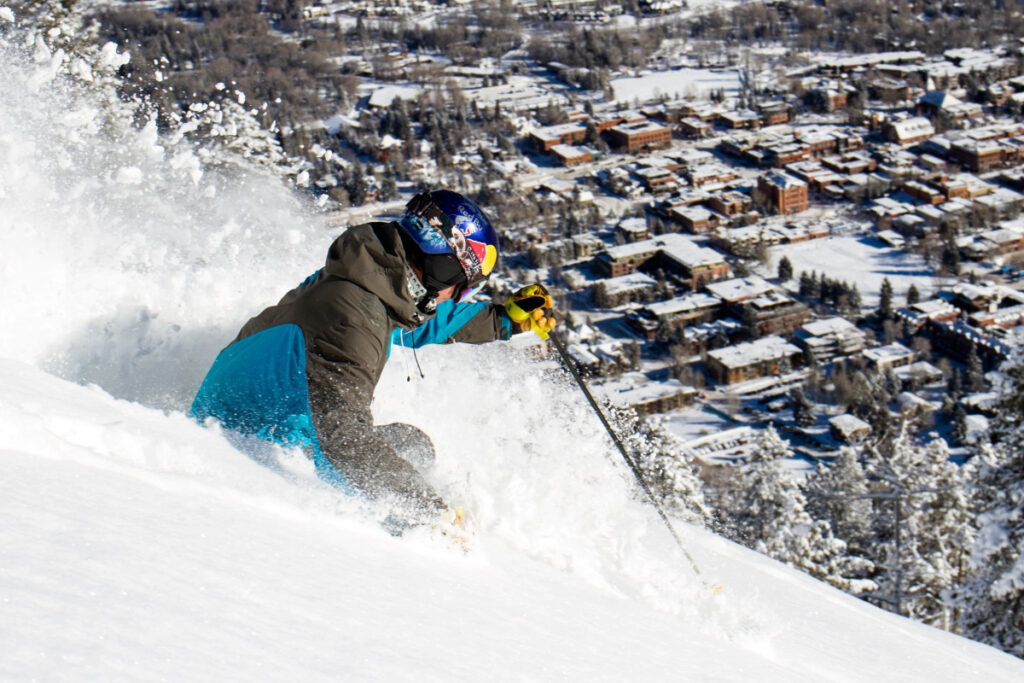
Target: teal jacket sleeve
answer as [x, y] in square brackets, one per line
[475, 323]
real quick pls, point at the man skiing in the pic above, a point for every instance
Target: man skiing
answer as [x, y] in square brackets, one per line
[302, 373]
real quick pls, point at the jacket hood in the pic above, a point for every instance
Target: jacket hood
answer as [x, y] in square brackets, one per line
[372, 256]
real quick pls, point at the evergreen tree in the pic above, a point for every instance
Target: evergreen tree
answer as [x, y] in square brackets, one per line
[356, 185]
[955, 385]
[975, 373]
[388, 186]
[814, 291]
[785, 270]
[761, 494]
[924, 527]
[768, 514]
[805, 284]
[803, 411]
[993, 601]
[951, 257]
[836, 492]
[913, 296]
[670, 474]
[856, 303]
[749, 320]
[885, 300]
[959, 432]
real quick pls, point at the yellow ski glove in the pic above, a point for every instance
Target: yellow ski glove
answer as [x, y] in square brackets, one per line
[455, 529]
[531, 308]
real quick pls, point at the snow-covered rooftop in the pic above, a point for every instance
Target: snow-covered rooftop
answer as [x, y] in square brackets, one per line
[740, 288]
[829, 326]
[757, 351]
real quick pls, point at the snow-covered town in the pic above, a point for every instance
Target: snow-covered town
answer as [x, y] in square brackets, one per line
[724, 237]
[784, 243]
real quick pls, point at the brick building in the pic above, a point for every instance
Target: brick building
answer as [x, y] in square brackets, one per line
[773, 313]
[977, 155]
[692, 127]
[544, 139]
[761, 358]
[570, 155]
[909, 131]
[786, 193]
[695, 219]
[639, 136]
[689, 309]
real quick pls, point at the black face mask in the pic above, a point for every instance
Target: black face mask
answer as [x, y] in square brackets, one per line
[441, 271]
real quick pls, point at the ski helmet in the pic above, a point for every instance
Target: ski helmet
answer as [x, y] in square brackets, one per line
[458, 244]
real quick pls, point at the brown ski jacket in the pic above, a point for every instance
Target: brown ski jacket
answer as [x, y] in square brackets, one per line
[347, 312]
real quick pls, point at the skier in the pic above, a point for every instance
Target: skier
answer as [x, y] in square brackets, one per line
[302, 373]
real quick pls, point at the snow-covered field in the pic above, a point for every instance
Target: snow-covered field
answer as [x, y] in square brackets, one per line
[140, 546]
[863, 260]
[675, 83]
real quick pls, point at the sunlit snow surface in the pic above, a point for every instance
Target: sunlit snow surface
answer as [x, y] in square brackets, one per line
[136, 545]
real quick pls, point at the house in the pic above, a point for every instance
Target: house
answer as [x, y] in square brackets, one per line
[740, 289]
[786, 193]
[830, 338]
[918, 374]
[773, 312]
[923, 192]
[708, 174]
[909, 131]
[859, 161]
[917, 315]
[943, 104]
[745, 240]
[760, 358]
[848, 428]
[657, 179]
[977, 155]
[933, 215]
[544, 139]
[633, 229]
[774, 113]
[1002, 245]
[616, 291]
[689, 309]
[586, 245]
[570, 155]
[692, 127]
[890, 356]
[783, 153]
[674, 252]
[889, 89]
[649, 398]
[829, 96]
[958, 339]
[731, 203]
[623, 259]
[892, 238]
[815, 174]
[691, 261]
[741, 120]
[696, 219]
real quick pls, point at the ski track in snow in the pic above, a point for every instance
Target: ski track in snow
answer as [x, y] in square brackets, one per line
[140, 545]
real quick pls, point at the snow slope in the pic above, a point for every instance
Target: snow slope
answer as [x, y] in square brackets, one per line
[140, 546]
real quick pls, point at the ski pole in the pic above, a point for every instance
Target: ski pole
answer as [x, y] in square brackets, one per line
[571, 367]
